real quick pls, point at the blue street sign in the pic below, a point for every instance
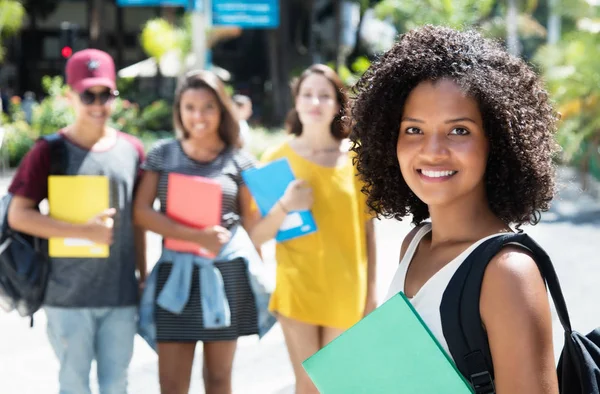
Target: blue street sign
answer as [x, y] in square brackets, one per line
[196, 5]
[246, 13]
[153, 3]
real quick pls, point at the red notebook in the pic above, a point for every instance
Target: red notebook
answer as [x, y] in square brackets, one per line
[196, 202]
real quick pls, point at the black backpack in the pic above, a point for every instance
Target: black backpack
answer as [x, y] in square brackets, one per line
[24, 262]
[579, 364]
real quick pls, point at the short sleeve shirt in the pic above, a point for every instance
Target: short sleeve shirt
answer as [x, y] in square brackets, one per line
[91, 282]
[168, 156]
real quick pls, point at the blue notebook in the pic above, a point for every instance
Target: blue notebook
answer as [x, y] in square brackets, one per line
[267, 185]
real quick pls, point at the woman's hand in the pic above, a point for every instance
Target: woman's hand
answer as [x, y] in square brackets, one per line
[297, 197]
[213, 238]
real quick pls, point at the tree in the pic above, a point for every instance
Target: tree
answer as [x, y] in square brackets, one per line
[160, 37]
[505, 19]
[407, 15]
[358, 52]
[570, 70]
[516, 21]
[364, 6]
[554, 22]
[11, 19]
[512, 33]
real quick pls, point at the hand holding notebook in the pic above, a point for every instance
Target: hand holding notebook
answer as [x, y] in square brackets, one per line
[80, 199]
[213, 238]
[268, 184]
[390, 351]
[99, 229]
[196, 202]
[297, 196]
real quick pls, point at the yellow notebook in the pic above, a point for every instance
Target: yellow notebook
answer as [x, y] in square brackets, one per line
[77, 199]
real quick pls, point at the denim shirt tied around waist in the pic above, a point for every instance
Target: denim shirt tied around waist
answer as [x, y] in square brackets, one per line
[215, 306]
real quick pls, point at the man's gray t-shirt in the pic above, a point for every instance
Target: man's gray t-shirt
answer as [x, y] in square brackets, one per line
[91, 282]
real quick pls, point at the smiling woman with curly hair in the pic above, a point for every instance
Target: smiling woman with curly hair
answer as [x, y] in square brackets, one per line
[448, 126]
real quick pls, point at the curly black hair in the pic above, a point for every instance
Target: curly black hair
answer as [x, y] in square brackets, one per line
[518, 119]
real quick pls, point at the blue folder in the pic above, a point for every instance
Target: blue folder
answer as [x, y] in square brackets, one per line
[267, 185]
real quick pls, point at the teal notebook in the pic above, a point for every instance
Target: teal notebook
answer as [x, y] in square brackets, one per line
[391, 351]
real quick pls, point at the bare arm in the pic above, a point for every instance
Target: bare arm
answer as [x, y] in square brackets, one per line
[265, 229]
[371, 258]
[139, 235]
[249, 216]
[516, 313]
[371, 301]
[297, 197]
[24, 217]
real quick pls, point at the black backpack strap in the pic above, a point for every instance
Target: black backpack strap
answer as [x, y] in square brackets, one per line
[58, 166]
[468, 343]
[58, 153]
[460, 315]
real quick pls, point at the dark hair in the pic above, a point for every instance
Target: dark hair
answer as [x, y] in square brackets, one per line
[229, 128]
[518, 120]
[339, 130]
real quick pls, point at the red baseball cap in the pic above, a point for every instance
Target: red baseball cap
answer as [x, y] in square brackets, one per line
[89, 68]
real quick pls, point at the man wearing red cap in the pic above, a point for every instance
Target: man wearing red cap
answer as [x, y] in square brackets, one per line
[90, 303]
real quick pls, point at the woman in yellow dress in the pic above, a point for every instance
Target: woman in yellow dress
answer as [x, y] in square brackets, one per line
[325, 279]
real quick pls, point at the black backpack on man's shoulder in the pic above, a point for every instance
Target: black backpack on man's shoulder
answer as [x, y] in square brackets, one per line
[24, 262]
[579, 364]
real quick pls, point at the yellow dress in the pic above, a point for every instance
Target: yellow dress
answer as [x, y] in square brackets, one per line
[322, 277]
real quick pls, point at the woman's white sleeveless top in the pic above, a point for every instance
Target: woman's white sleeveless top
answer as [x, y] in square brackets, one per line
[429, 298]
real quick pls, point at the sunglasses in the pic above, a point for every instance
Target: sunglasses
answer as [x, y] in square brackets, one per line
[89, 98]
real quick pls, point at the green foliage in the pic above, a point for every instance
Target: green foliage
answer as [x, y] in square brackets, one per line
[11, 16]
[54, 112]
[126, 117]
[350, 75]
[157, 116]
[407, 15]
[12, 13]
[185, 36]
[572, 73]
[150, 138]
[489, 16]
[574, 9]
[149, 124]
[262, 138]
[159, 37]
[18, 137]
[528, 27]
[126, 86]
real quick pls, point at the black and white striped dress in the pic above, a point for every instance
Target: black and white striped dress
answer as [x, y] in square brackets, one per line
[168, 156]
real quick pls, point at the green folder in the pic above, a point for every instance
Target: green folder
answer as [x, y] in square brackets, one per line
[391, 351]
